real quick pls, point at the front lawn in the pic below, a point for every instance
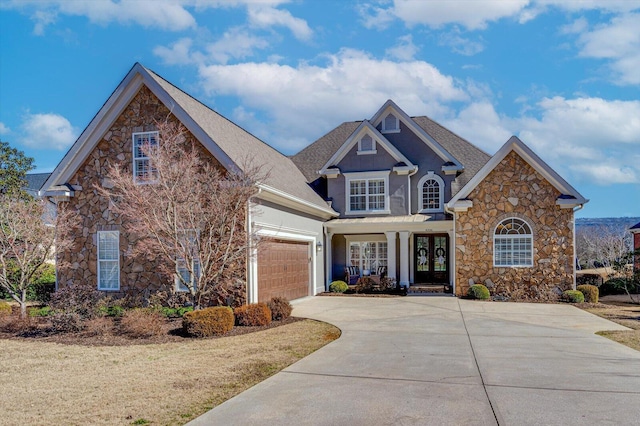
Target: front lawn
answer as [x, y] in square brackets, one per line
[619, 309]
[49, 383]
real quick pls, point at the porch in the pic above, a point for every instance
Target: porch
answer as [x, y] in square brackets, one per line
[415, 250]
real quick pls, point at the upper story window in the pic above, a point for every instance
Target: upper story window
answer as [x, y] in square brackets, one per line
[366, 145]
[390, 124]
[143, 144]
[431, 193]
[367, 192]
[513, 243]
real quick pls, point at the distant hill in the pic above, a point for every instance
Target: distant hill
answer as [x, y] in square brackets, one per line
[613, 222]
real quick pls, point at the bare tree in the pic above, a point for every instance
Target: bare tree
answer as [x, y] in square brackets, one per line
[26, 242]
[186, 213]
[602, 246]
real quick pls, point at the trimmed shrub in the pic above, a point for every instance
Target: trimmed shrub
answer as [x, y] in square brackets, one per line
[590, 292]
[255, 314]
[338, 287]
[142, 322]
[365, 285]
[572, 296]
[280, 308]
[208, 322]
[5, 309]
[478, 291]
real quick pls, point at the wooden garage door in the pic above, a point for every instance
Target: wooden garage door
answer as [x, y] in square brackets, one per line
[283, 270]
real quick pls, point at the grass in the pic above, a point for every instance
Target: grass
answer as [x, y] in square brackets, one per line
[623, 313]
[159, 384]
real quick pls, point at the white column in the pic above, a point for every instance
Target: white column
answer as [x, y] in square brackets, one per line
[328, 269]
[404, 258]
[391, 254]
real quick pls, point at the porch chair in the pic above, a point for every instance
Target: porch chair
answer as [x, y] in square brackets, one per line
[353, 274]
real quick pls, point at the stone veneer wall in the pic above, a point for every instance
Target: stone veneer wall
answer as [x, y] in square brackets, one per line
[515, 189]
[79, 265]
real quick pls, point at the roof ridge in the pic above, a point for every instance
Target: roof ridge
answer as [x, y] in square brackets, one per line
[452, 132]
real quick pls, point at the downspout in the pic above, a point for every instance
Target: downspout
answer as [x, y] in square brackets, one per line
[415, 170]
[575, 254]
[453, 258]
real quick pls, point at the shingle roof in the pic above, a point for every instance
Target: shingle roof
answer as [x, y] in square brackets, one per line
[636, 226]
[35, 182]
[241, 146]
[312, 158]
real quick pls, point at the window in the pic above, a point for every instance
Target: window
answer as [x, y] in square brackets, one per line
[143, 170]
[108, 260]
[367, 192]
[366, 145]
[188, 274]
[431, 193]
[513, 243]
[390, 124]
[367, 255]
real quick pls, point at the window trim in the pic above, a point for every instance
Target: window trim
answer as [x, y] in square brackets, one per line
[507, 237]
[383, 127]
[191, 237]
[367, 176]
[134, 158]
[371, 151]
[364, 239]
[98, 260]
[430, 175]
[179, 288]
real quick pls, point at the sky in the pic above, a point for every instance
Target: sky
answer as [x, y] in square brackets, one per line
[562, 75]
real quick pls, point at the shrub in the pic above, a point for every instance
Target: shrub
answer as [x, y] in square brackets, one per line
[44, 311]
[80, 299]
[43, 284]
[5, 309]
[572, 296]
[208, 322]
[175, 312]
[142, 322]
[66, 322]
[111, 310]
[255, 314]
[478, 291]
[365, 285]
[280, 308]
[98, 326]
[338, 287]
[593, 279]
[590, 292]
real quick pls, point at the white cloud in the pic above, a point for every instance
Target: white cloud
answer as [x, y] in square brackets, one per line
[329, 94]
[480, 124]
[618, 41]
[266, 16]
[578, 26]
[179, 53]
[46, 131]
[459, 44]
[405, 50]
[4, 129]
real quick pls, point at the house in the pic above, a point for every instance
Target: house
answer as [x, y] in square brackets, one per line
[434, 209]
[394, 192]
[286, 212]
[635, 230]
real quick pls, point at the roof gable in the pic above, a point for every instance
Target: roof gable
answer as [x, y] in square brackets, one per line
[391, 107]
[231, 145]
[365, 127]
[569, 197]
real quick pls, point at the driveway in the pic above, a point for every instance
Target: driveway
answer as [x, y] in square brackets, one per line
[446, 361]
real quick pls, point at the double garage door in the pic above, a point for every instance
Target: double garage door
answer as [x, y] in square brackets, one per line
[283, 269]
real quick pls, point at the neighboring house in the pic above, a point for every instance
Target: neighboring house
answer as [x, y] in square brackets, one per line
[435, 209]
[35, 182]
[394, 191]
[287, 211]
[635, 230]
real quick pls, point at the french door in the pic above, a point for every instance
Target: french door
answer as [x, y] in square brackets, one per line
[431, 258]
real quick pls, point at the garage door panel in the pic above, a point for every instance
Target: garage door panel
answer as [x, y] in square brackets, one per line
[283, 270]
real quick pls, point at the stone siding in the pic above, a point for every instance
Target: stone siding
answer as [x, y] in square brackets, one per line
[515, 189]
[79, 264]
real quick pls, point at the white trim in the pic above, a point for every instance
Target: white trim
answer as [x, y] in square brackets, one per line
[364, 128]
[134, 158]
[396, 129]
[390, 106]
[515, 144]
[269, 193]
[367, 176]
[430, 176]
[98, 260]
[367, 151]
[511, 237]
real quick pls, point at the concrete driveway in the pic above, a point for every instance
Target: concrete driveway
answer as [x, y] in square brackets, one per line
[445, 361]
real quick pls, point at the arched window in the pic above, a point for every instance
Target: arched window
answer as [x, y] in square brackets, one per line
[430, 193]
[513, 243]
[390, 124]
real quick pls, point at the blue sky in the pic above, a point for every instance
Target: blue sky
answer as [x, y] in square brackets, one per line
[562, 75]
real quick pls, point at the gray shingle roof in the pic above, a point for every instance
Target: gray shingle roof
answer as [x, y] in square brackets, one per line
[241, 146]
[35, 182]
[314, 157]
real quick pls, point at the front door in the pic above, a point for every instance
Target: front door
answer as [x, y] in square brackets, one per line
[431, 258]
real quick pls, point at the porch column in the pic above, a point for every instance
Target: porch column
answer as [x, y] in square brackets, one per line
[328, 268]
[391, 254]
[404, 258]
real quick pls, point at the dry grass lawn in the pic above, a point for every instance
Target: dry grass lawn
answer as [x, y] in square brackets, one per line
[617, 310]
[53, 384]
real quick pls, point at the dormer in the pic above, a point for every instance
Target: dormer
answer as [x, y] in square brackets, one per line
[366, 145]
[390, 124]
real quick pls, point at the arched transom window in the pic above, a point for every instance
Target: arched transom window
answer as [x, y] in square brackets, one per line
[513, 243]
[431, 192]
